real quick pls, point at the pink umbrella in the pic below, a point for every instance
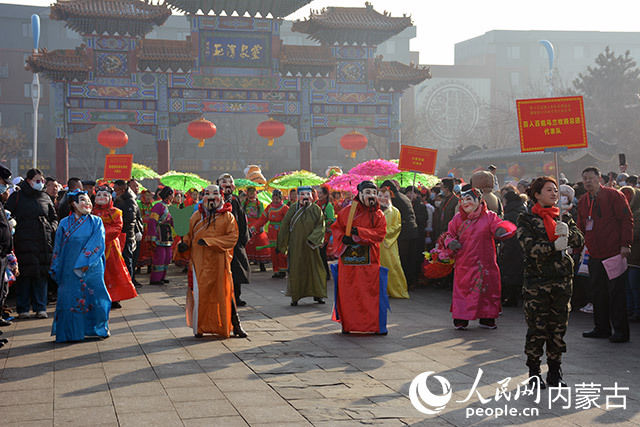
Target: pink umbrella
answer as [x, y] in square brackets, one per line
[375, 167]
[347, 182]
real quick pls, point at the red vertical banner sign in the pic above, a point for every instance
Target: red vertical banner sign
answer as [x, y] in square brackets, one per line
[418, 159]
[118, 166]
[548, 124]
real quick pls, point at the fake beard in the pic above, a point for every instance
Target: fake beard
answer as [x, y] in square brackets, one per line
[368, 201]
[304, 202]
[213, 204]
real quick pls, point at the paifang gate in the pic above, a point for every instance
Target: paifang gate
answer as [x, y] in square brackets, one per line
[229, 64]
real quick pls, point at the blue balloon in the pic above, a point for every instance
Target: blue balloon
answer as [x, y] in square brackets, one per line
[35, 25]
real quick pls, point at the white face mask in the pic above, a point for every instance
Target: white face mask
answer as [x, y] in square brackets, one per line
[84, 205]
[438, 203]
[369, 196]
[304, 198]
[564, 200]
[38, 186]
[384, 199]
[212, 197]
[103, 198]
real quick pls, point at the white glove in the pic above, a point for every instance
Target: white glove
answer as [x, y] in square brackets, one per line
[138, 236]
[562, 229]
[561, 243]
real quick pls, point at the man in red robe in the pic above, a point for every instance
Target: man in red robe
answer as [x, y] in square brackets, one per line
[361, 299]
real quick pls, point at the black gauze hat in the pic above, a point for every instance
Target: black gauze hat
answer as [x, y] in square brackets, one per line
[366, 184]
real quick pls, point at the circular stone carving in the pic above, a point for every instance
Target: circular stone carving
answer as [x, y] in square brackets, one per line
[452, 111]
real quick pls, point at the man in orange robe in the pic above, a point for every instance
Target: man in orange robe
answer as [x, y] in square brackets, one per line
[213, 233]
[361, 300]
[274, 213]
[116, 275]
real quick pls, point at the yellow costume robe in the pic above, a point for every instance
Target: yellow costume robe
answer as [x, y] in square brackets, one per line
[208, 307]
[389, 257]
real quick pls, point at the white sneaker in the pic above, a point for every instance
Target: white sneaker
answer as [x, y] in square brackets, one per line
[587, 308]
[24, 316]
[42, 315]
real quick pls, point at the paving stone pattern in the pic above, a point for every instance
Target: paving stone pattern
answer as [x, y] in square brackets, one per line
[296, 368]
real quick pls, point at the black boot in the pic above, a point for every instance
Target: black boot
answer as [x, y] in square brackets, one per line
[535, 378]
[238, 332]
[554, 376]
[262, 267]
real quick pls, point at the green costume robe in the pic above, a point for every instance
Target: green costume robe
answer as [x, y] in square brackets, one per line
[301, 235]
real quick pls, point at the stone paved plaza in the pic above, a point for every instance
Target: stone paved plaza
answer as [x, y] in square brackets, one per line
[296, 368]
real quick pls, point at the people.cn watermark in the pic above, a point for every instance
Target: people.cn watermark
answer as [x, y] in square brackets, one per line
[581, 396]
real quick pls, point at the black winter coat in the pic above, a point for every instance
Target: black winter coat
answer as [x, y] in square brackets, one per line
[126, 202]
[510, 257]
[35, 233]
[240, 264]
[409, 229]
[6, 242]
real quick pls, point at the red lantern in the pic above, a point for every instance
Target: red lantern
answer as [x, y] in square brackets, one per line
[353, 141]
[270, 129]
[202, 129]
[515, 171]
[549, 169]
[113, 138]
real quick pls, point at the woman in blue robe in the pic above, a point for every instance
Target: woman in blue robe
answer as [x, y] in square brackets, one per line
[82, 308]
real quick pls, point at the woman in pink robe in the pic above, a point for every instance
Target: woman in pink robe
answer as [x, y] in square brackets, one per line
[471, 237]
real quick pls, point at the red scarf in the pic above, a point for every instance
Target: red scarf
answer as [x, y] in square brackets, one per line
[547, 215]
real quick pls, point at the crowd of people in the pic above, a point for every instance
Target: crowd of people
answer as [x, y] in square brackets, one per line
[540, 243]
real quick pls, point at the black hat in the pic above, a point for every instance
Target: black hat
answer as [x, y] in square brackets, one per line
[5, 173]
[366, 184]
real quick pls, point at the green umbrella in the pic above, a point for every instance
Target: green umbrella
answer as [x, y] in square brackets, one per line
[406, 178]
[264, 197]
[296, 179]
[141, 172]
[183, 181]
[243, 183]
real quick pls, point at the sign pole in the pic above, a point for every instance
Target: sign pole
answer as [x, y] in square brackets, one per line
[35, 88]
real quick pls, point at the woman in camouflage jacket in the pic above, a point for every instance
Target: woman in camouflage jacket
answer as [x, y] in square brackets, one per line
[548, 278]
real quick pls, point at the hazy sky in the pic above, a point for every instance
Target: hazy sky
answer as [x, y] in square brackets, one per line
[441, 24]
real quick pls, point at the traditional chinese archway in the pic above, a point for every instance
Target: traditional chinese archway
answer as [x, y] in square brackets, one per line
[229, 64]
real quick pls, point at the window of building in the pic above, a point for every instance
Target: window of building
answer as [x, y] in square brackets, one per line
[513, 52]
[515, 79]
[578, 52]
[0, 118]
[27, 90]
[26, 29]
[4, 71]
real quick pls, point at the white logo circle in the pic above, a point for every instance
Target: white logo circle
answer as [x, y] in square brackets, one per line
[419, 392]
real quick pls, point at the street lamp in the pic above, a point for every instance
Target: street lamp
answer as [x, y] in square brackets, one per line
[35, 88]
